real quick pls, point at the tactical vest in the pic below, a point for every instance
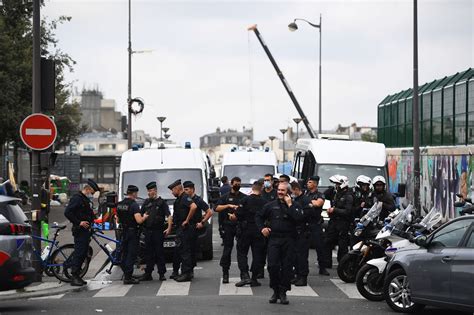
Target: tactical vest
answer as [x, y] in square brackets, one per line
[156, 218]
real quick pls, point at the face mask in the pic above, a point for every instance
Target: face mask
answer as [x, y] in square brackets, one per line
[267, 184]
[236, 187]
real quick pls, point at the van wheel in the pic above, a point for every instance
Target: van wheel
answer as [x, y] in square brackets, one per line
[397, 293]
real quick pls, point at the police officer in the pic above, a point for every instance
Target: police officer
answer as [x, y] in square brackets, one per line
[382, 195]
[227, 204]
[315, 224]
[224, 189]
[362, 195]
[249, 236]
[340, 217]
[128, 212]
[282, 215]
[155, 232]
[183, 218]
[269, 193]
[79, 212]
[202, 206]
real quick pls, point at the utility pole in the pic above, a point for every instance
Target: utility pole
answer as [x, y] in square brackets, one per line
[35, 154]
[416, 120]
[129, 98]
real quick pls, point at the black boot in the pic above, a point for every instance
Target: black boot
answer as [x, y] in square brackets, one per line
[185, 277]
[275, 297]
[162, 277]
[244, 279]
[323, 271]
[146, 277]
[261, 274]
[302, 282]
[225, 276]
[128, 279]
[76, 281]
[174, 275]
[294, 280]
[283, 298]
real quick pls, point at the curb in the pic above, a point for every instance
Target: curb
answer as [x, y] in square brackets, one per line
[63, 289]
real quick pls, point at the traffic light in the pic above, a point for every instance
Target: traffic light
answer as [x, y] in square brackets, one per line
[48, 84]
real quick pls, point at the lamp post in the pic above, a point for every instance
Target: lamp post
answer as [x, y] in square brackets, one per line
[283, 131]
[293, 27]
[167, 135]
[271, 139]
[161, 120]
[165, 130]
[415, 118]
[297, 121]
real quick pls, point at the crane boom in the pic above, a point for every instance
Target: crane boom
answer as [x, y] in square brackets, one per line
[310, 129]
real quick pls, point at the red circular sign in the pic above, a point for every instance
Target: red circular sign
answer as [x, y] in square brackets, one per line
[38, 132]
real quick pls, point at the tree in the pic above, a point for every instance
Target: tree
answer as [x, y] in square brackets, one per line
[369, 137]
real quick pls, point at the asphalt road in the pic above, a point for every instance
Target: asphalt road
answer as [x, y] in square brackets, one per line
[206, 295]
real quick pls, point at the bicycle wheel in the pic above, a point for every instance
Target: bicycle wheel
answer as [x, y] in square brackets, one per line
[63, 256]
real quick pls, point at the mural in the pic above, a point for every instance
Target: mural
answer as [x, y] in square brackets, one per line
[444, 173]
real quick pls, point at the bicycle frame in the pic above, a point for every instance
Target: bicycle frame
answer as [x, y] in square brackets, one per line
[54, 245]
[114, 257]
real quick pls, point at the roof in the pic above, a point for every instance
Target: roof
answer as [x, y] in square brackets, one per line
[249, 158]
[152, 159]
[344, 152]
[430, 86]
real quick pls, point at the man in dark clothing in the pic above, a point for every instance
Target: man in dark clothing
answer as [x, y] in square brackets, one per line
[315, 224]
[223, 190]
[340, 217]
[183, 218]
[380, 194]
[269, 193]
[249, 236]
[155, 232]
[79, 212]
[282, 215]
[128, 212]
[227, 205]
[202, 206]
[362, 195]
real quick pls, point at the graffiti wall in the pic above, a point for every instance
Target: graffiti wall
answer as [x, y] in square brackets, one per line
[445, 172]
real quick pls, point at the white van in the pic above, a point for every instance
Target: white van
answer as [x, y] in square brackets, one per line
[165, 165]
[248, 164]
[324, 157]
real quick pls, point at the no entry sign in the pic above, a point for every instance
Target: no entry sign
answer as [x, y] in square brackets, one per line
[38, 132]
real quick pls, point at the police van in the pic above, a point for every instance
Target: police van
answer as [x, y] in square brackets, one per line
[249, 164]
[328, 157]
[165, 165]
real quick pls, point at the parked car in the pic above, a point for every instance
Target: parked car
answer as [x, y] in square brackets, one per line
[438, 273]
[16, 246]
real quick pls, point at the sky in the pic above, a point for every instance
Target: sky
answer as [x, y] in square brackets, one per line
[206, 70]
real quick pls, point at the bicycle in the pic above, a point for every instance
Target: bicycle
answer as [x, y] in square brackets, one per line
[114, 255]
[55, 260]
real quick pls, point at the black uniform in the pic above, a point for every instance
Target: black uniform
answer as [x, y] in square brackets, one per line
[202, 206]
[158, 210]
[282, 222]
[339, 223]
[302, 242]
[229, 227]
[359, 198]
[315, 224]
[185, 236]
[126, 210]
[79, 209]
[388, 205]
[249, 236]
[269, 196]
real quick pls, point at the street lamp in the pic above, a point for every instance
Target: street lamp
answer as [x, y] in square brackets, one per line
[283, 131]
[297, 121]
[293, 27]
[161, 120]
[165, 130]
[262, 143]
[167, 135]
[271, 139]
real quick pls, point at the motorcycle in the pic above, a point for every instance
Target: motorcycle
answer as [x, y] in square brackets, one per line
[465, 204]
[366, 249]
[400, 233]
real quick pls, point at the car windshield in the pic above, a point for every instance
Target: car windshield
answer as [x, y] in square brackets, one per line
[324, 171]
[247, 173]
[163, 178]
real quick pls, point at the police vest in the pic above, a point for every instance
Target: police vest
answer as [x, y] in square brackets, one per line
[156, 216]
[124, 214]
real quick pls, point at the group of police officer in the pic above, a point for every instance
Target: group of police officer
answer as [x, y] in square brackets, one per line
[278, 221]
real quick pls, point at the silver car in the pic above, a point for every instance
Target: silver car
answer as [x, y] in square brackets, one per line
[439, 273]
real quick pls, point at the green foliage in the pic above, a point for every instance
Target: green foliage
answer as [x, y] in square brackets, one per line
[369, 137]
[16, 73]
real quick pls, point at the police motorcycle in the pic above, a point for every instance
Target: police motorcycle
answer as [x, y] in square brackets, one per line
[400, 234]
[367, 248]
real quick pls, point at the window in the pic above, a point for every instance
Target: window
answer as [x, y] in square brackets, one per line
[470, 241]
[452, 234]
[89, 171]
[89, 147]
[107, 147]
[108, 172]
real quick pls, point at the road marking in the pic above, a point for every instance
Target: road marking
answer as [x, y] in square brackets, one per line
[174, 288]
[115, 290]
[38, 132]
[231, 289]
[349, 289]
[301, 291]
[51, 297]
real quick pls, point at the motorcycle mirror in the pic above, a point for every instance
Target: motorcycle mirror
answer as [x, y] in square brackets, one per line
[421, 241]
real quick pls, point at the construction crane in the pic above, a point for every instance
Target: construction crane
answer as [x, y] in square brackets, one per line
[310, 129]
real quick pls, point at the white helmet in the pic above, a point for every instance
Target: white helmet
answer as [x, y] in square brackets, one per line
[379, 178]
[362, 179]
[339, 179]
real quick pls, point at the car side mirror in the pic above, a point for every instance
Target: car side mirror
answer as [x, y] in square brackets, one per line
[422, 241]
[401, 190]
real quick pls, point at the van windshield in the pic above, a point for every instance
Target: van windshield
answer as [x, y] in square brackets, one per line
[248, 173]
[324, 171]
[163, 178]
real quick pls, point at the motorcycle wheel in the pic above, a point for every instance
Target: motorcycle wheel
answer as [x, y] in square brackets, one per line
[348, 267]
[369, 284]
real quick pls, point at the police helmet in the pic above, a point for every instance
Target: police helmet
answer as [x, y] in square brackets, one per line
[362, 179]
[379, 179]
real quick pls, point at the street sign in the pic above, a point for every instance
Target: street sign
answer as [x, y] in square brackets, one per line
[38, 132]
